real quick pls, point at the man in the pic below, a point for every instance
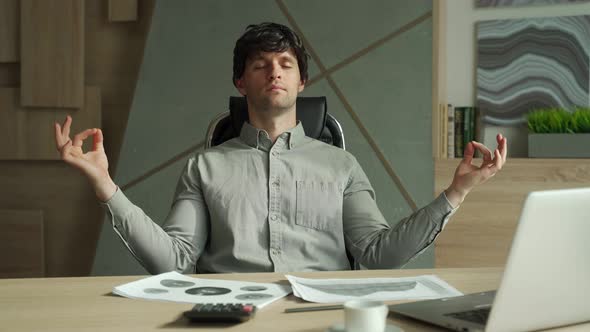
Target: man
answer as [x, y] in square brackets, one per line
[272, 199]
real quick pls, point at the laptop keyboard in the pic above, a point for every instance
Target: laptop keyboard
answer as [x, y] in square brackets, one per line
[478, 316]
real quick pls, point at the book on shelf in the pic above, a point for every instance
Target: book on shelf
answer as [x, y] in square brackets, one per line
[466, 126]
[459, 123]
[440, 139]
[456, 126]
[450, 131]
[465, 120]
[443, 129]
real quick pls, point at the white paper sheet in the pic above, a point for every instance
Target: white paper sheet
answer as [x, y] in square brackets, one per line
[173, 286]
[383, 289]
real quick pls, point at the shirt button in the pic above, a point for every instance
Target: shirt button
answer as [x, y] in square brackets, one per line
[273, 217]
[274, 153]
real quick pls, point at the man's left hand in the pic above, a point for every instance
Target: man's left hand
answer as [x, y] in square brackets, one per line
[467, 175]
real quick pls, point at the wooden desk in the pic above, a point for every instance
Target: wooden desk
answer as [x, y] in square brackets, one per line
[86, 304]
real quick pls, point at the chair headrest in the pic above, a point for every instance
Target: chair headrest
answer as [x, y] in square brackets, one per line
[311, 111]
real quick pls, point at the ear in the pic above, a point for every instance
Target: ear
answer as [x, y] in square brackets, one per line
[239, 83]
[301, 86]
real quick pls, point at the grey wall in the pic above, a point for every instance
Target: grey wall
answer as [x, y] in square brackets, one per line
[185, 80]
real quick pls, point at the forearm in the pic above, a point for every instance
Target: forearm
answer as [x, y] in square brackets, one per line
[157, 248]
[104, 189]
[455, 196]
[392, 247]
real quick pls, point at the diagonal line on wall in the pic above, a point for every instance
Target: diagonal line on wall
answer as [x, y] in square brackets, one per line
[323, 71]
[386, 164]
[406, 27]
[162, 165]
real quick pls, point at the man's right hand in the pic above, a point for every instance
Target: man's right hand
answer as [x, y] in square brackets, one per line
[94, 164]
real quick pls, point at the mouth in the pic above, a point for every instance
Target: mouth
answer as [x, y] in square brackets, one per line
[276, 88]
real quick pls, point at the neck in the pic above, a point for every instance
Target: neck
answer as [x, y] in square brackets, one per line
[273, 124]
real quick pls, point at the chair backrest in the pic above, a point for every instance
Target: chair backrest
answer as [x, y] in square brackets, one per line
[311, 111]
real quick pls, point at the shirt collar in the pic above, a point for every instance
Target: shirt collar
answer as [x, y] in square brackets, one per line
[259, 138]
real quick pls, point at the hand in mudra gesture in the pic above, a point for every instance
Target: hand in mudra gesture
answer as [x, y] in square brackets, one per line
[94, 164]
[467, 175]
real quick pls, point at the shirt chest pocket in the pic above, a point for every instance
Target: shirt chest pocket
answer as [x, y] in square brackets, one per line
[319, 205]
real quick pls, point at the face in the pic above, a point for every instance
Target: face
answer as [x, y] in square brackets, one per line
[271, 81]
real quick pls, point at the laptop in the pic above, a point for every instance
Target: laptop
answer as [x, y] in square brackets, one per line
[546, 281]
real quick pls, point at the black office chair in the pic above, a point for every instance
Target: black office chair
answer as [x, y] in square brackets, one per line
[311, 111]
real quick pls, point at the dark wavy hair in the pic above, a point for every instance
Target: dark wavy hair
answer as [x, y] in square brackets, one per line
[268, 37]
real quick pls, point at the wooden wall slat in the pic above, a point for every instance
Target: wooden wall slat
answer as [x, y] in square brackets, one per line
[122, 10]
[9, 31]
[52, 53]
[9, 74]
[29, 133]
[21, 244]
[481, 231]
[72, 216]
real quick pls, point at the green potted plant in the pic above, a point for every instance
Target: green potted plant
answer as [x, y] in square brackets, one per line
[558, 133]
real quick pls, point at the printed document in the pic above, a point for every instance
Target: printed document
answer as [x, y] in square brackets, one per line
[176, 287]
[383, 289]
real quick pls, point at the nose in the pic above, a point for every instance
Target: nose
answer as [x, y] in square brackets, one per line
[275, 72]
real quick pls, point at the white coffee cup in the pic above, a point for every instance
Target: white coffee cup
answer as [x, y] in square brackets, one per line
[365, 316]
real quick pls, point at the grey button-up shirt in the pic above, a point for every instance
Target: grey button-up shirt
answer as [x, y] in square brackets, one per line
[249, 205]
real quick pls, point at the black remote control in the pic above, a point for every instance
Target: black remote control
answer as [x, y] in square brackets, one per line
[221, 312]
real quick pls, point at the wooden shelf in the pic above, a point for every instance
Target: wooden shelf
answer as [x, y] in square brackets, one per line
[480, 233]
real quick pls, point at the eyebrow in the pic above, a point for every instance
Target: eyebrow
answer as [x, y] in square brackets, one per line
[283, 57]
